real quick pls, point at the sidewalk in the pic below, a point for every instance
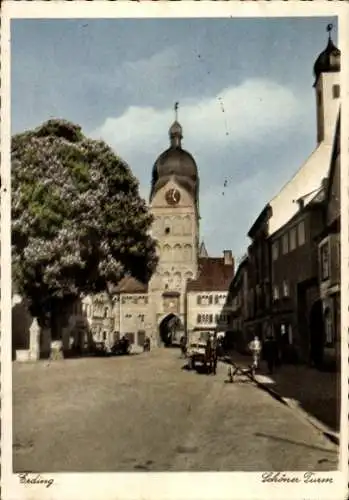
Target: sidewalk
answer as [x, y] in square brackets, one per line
[301, 387]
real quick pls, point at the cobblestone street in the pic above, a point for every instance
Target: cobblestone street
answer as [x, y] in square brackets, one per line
[145, 412]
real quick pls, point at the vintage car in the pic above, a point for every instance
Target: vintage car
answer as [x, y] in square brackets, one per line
[196, 351]
[121, 347]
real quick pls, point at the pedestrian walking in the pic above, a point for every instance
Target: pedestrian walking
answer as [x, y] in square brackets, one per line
[146, 344]
[255, 348]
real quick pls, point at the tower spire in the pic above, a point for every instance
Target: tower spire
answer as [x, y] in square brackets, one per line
[329, 28]
[176, 110]
[175, 131]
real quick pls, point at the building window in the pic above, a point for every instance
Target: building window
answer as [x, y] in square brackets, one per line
[198, 300]
[290, 335]
[293, 239]
[285, 243]
[275, 250]
[199, 319]
[301, 233]
[324, 260]
[216, 299]
[211, 318]
[105, 312]
[210, 299]
[286, 289]
[336, 91]
[329, 328]
[276, 293]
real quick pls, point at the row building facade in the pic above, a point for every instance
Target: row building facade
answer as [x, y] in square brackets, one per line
[292, 282]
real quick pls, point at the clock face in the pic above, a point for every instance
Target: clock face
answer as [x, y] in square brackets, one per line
[173, 196]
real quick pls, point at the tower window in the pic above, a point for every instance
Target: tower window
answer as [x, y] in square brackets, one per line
[336, 91]
[167, 230]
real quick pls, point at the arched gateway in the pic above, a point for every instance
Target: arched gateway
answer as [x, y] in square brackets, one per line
[171, 329]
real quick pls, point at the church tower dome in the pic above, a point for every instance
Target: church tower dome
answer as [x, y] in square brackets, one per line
[175, 162]
[328, 60]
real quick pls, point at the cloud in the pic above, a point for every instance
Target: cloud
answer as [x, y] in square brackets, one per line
[241, 134]
[244, 113]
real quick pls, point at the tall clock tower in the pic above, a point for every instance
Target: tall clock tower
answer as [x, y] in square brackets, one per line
[174, 202]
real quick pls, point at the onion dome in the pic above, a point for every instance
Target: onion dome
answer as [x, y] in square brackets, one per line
[175, 162]
[329, 59]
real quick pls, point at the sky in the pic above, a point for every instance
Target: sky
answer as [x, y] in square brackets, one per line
[244, 87]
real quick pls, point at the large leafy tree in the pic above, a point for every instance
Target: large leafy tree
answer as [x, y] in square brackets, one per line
[78, 221]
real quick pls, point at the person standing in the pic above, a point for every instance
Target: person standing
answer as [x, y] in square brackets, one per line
[214, 353]
[182, 344]
[271, 353]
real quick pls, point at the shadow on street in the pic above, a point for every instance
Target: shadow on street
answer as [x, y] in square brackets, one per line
[295, 443]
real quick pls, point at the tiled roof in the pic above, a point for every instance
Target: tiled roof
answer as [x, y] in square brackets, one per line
[169, 293]
[213, 276]
[130, 285]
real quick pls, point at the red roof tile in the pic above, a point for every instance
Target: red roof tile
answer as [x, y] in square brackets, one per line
[131, 285]
[213, 276]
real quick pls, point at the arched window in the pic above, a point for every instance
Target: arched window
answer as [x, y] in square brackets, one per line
[177, 280]
[177, 226]
[177, 252]
[187, 253]
[167, 225]
[166, 252]
[106, 312]
[166, 280]
[186, 225]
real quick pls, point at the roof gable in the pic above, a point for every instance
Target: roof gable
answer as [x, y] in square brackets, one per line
[213, 275]
[307, 181]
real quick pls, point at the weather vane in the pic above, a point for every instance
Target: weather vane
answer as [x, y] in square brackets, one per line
[176, 110]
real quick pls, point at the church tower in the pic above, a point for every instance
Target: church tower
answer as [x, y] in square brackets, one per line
[327, 88]
[174, 203]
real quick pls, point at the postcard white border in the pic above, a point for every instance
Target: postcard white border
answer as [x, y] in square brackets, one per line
[164, 486]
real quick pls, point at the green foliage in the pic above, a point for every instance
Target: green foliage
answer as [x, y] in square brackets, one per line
[78, 222]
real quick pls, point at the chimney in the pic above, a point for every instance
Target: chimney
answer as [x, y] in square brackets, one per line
[228, 257]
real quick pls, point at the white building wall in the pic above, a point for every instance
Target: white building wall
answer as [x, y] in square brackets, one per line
[134, 315]
[309, 177]
[327, 105]
[194, 309]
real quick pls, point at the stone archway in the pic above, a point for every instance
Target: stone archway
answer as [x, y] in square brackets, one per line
[170, 329]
